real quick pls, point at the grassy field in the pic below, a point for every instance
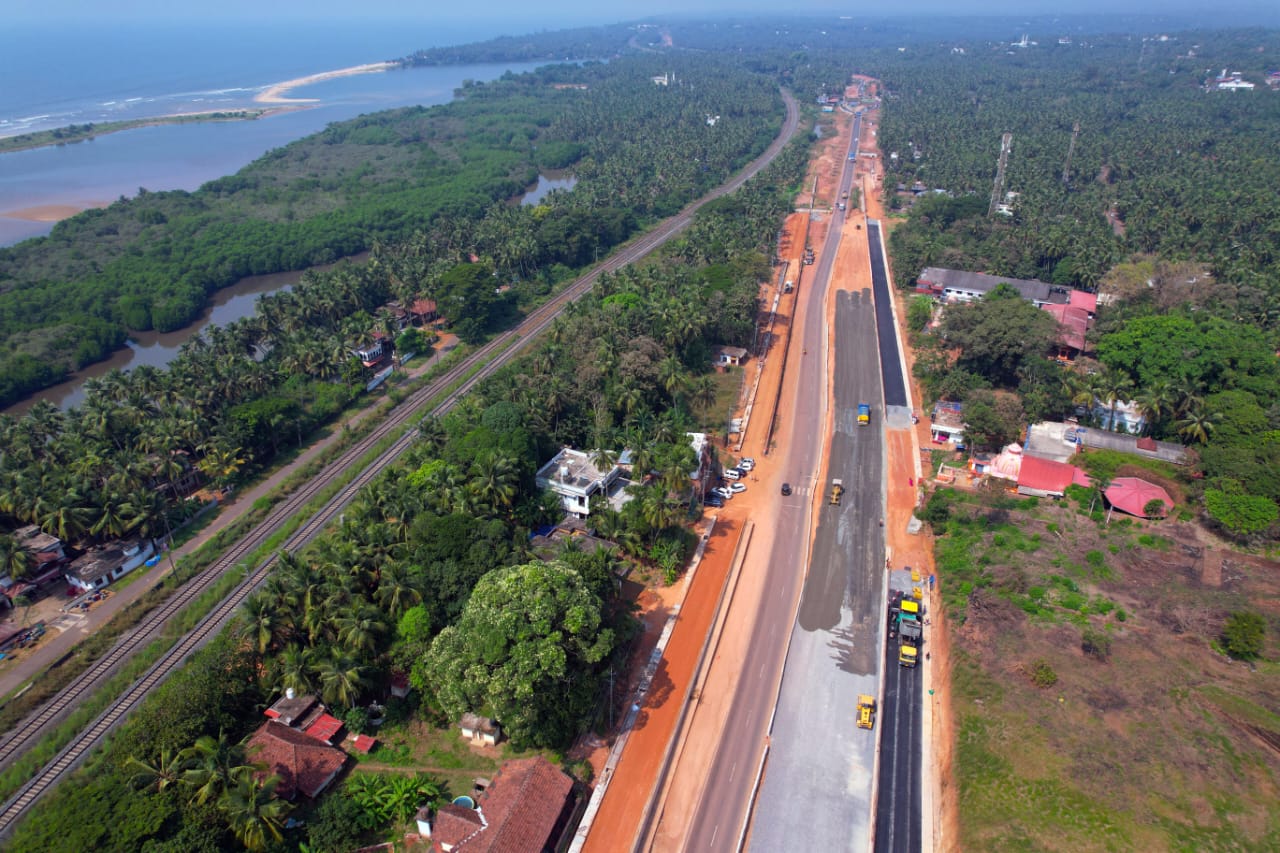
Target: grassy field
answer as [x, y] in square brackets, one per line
[1094, 707]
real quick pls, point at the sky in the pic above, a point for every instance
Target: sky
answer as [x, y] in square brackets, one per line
[566, 13]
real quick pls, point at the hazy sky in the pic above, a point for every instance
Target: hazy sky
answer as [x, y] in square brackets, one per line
[560, 13]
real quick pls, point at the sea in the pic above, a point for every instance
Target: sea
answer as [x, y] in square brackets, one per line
[54, 76]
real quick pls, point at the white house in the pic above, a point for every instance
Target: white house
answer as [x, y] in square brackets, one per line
[573, 475]
[98, 567]
[730, 356]
[1128, 417]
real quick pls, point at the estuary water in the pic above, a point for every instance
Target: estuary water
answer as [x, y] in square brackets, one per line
[54, 77]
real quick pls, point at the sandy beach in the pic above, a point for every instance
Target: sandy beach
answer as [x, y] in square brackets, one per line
[51, 212]
[276, 94]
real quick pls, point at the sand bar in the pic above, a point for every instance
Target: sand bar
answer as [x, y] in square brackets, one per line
[51, 212]
[276, 93]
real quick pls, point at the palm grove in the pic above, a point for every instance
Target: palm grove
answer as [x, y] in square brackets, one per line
[430, 570]
[1162, 208]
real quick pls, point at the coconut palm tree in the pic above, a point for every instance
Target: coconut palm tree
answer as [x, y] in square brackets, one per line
[165, 771]
[15, 561]
[341, 680]
[359, 631]
[294, 668]
[213, 765]
[1197, 425]
[259, 623]
[255, 813]
[396, 593]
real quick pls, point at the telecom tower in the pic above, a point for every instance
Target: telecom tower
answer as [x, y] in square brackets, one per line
[1071, 149]
[1006, 142]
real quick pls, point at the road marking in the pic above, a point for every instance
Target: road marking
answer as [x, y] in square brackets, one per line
[733, 770]
[714, 830]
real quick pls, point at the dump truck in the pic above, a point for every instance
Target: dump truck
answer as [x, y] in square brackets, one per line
[864, 414]
[905, 614]
[866, 711]
[837, 489]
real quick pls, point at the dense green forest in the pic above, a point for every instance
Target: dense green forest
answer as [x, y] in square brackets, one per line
[431, 550]
[152, 262]
[1164, 208]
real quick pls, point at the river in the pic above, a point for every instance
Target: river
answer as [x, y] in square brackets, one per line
[157, 349]
[47, 182]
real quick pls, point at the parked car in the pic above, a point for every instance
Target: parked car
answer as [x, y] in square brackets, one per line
[723, 492]
[746, 464]
[737, 488]
[712, 499]
[786, 489]
[733, 474]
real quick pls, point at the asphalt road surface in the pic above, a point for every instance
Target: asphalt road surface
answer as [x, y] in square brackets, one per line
[818, 782]
[898, 807]
[724, 806]
[895, 386]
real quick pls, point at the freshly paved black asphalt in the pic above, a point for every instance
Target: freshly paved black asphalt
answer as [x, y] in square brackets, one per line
[901, 714]
[895, 386]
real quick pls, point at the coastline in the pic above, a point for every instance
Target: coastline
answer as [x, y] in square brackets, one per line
[274, 100]
[52, 212]
[277, 93]
[72, 134]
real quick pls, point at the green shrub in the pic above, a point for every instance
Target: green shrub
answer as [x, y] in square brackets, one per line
[1042, 674]
[937, 511]
[1096, 643]
[1243, 634]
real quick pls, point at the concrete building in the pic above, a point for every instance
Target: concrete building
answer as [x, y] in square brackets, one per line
[573, 475]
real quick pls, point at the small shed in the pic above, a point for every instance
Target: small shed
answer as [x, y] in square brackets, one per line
[730, 356]
[480, 730]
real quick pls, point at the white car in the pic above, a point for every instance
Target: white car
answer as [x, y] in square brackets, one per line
[746, 464]
[737, 488]
[723, 492]
[732, 474]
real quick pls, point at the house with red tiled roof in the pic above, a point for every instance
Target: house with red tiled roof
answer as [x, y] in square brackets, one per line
[1048, 478]
[304, 764]
[524, 810]
[306, 714]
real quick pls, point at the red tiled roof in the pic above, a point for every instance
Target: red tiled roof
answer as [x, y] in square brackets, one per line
[323, 728]
[304, 765]
[1084, 300]
[1047, 475]
[522, 806]
[455, 824]
[362, 744]
[1073, 324]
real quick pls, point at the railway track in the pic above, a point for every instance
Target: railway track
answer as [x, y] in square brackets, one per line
[484, 362]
